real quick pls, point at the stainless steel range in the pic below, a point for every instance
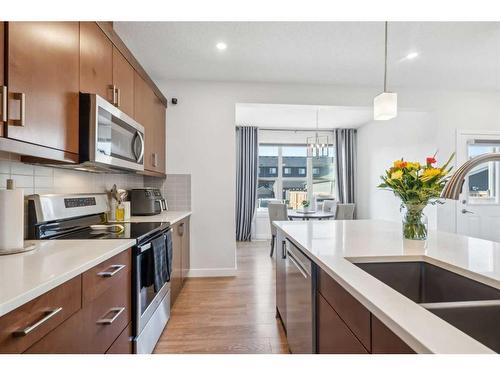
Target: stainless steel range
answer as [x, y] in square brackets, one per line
[81, 216]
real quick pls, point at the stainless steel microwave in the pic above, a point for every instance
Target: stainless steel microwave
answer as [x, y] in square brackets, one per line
[110, 140]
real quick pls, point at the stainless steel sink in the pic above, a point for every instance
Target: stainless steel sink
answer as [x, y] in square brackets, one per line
[425, 283]
[480, 320]
[470, 306]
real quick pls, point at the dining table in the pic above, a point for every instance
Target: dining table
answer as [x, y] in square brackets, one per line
[312, 215]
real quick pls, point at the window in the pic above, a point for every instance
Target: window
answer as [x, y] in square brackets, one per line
[483, 180]
[283, 174]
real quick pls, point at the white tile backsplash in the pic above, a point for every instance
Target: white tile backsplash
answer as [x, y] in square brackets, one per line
[21, 169]
[5, 166]
[176, 189]
[48, 180]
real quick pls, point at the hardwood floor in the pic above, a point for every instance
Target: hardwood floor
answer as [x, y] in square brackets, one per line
[228, 314]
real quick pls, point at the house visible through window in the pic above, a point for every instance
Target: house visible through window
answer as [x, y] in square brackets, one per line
[283, 174]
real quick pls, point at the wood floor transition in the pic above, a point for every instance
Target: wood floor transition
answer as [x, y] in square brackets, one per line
[228, 314]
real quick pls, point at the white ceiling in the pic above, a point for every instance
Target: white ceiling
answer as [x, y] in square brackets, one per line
[453, 55]
[284, 116]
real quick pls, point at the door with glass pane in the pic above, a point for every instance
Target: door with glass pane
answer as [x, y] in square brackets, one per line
[478, 209]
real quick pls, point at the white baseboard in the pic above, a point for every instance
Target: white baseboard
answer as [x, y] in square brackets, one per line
[211, 272]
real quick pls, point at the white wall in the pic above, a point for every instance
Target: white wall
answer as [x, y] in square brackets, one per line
[411, 135]
[200, 142]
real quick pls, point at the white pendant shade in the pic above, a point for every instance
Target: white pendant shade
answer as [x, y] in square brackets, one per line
[385, 106]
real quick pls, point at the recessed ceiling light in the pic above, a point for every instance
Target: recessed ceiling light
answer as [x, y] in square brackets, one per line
[221, 46]
[411, 55]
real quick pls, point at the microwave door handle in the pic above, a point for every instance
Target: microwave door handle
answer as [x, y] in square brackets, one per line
[138, 135]
[141, 154]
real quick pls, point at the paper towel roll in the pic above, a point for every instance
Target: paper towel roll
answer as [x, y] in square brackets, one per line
[11, 219]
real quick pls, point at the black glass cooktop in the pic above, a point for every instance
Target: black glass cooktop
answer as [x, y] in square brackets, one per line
[137, 231]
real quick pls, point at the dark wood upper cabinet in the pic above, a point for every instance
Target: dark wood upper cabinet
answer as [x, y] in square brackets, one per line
[144, 114]
[160, 158]
[96, 61]
[150, 113]
[43, 79]
[123, 80]
[3, 89]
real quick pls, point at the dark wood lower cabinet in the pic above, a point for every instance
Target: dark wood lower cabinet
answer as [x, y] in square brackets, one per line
[345, 326]
[384, 341]
[95, 327]
[90, 313]
[42, 314]
[333, 335]
[123, 344]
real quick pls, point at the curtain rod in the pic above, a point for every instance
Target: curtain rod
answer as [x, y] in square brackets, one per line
[295, 130]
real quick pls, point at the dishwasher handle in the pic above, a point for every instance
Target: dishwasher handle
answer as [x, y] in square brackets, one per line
[298, 265]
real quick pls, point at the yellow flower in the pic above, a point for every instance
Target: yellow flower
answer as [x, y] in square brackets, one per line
[413, 165]
[397, 175]
[430, 173]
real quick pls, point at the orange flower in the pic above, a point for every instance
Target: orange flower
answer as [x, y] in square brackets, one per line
[400, 164]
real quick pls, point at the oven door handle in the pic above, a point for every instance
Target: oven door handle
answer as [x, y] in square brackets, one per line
[147, 246]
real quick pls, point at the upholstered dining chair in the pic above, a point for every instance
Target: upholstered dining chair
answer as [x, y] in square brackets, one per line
[277, 212]
[345, 211]
[330, 205]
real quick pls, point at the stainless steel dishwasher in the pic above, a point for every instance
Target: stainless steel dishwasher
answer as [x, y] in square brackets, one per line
[300, 301]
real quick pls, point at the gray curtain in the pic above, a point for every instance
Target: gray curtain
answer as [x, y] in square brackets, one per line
[345, 161]
[247, 165]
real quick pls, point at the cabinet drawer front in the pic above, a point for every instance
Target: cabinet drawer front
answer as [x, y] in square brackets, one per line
[27, 324]
[384, 341]
[333, 336]
[94, 328]
[123, 344]
[353, 313]
[106, 275]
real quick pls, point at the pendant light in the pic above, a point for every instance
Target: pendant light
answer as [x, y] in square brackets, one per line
[385, 105]
[318, 146]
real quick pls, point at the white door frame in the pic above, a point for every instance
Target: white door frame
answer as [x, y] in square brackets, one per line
[462, 156]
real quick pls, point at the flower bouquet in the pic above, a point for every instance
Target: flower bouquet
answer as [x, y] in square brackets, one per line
[417, 185]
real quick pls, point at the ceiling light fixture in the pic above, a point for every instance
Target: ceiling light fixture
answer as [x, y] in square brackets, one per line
[411, 55]
[385, 105]
[318, 146]
[221, 46]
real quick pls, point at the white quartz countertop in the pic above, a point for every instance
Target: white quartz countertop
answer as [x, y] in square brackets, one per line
[333, 245]
[171, 217]
[26, 276]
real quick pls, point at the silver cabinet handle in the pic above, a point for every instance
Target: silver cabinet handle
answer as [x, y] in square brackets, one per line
[155, 159]
[118, 101]
[113, 270]
[113, 94]
[464, 211]
[283, 249]
[4, 104]
[26, 331]
[116, 313]
[22, 109]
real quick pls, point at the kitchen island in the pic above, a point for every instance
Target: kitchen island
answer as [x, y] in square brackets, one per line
[334, 247]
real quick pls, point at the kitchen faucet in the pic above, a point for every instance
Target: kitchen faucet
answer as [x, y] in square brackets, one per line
[453, 187]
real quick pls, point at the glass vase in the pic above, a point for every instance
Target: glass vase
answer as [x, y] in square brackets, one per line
[415, 224]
